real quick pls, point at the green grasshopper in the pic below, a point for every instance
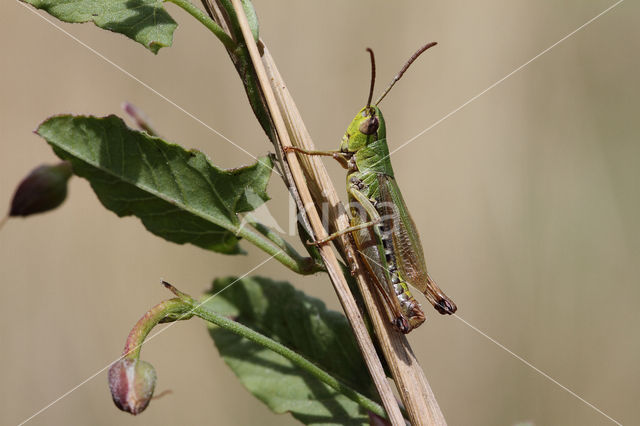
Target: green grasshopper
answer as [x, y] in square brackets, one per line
[384, 233]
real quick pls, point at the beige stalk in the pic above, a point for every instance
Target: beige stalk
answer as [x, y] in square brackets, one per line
[317, 189]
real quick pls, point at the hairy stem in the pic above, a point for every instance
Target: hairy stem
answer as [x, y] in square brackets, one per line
[297, 359]
[275, 238]
[196, 308]
[297, 263]
[169, 310]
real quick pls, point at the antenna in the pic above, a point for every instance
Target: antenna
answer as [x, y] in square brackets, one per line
[373, 76]
[403, 69]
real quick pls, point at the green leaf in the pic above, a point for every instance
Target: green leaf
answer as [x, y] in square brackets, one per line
[303, 324]
[144, 21]
[178, 194]
[252, 17]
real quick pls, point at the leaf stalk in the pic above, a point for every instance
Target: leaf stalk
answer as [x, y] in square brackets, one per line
[197, 13]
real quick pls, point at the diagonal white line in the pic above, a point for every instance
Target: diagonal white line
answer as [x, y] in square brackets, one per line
[537, 370]
[392, 152]
[519, 358]
[133, 77]
[88, 379]
[504, 78]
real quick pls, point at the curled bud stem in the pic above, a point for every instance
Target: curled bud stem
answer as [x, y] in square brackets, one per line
[167, 311]
[131, 380]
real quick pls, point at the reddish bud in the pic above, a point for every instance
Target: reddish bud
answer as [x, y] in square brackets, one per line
[45, 188]
[376, 420]
[140, 118]
[132, 383]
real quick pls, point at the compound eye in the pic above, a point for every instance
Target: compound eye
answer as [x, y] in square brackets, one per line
[370, 126]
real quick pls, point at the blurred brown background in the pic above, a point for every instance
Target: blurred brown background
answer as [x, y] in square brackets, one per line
[527, 201]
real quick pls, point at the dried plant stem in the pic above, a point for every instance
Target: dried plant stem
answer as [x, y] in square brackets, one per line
[328, 256]
[409, 377]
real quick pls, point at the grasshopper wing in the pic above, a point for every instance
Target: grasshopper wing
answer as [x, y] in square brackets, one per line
[406, 242]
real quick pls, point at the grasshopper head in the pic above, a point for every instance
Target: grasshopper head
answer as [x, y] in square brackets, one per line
[367, 126]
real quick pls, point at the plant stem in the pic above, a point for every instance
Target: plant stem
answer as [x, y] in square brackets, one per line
[298, 264]
[169, 310]
[206, 21]
[409, 377]
[235, 327]
[275, 238]
[328, 256]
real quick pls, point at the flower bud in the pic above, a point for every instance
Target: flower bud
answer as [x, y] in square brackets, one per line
[45, 188]
[376, 420]
[132, 383]
[139, 117]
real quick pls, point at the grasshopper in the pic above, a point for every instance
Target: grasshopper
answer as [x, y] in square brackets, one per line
[385, 235]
